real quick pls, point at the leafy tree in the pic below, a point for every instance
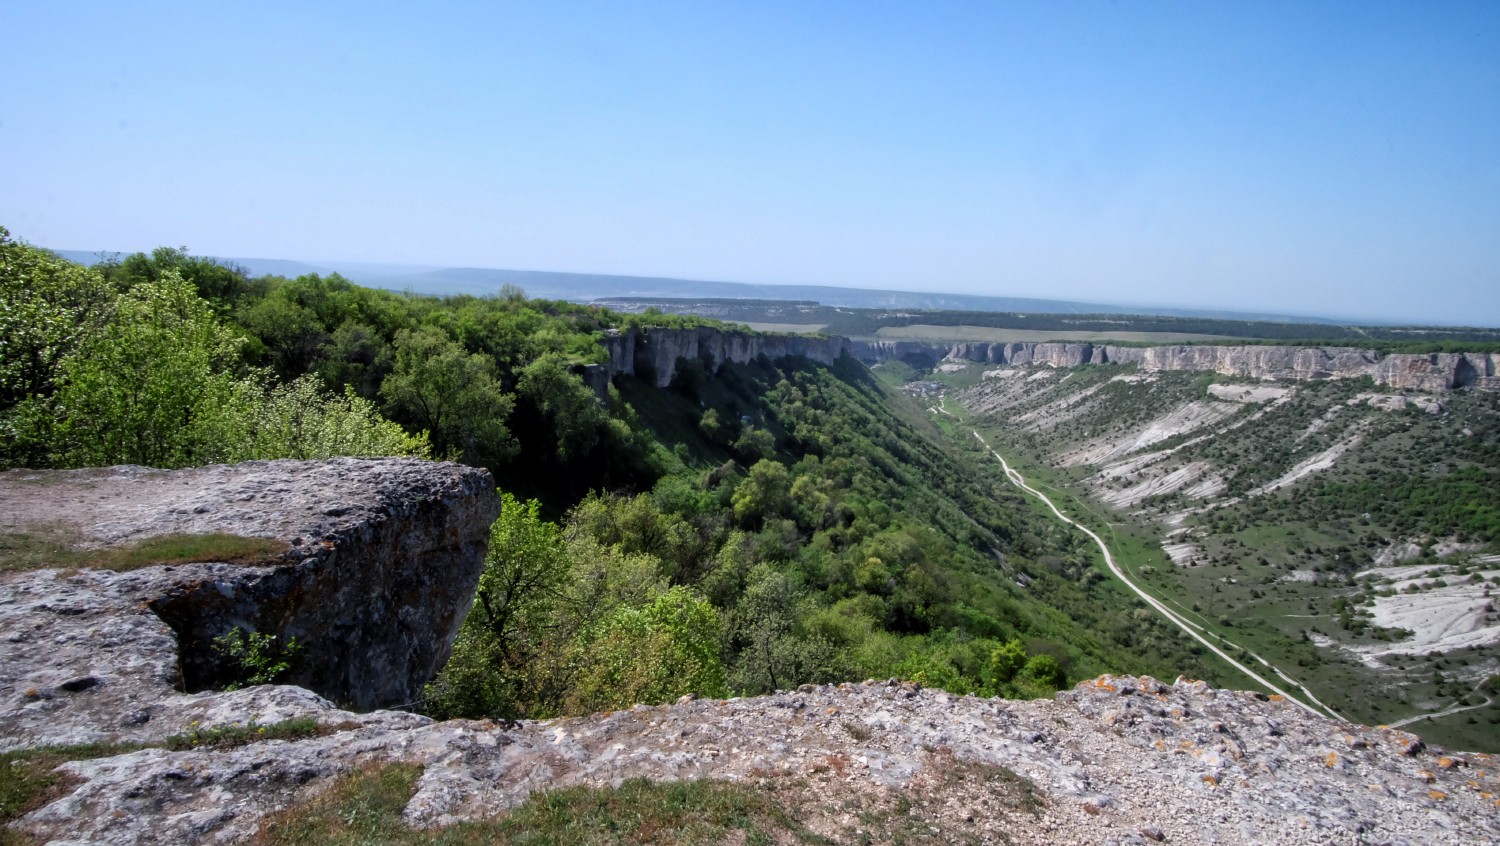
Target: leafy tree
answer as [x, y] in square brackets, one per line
[47, 307]
[638, 526]
[154, 385]
[710, 425]
[211, 279]
[564, 623]
[754, 444]
[355, 355]
[1006, 660]
[450, 394]
[153, 377]
[292, 334]
[765, 492]
[652, 654]
[573, 412]
[526, 571]
[301, 420]
[1041, 677]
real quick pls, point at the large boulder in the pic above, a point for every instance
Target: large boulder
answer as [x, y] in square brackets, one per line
[371, 567]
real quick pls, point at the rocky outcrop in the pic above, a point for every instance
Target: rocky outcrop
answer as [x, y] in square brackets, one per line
[596, 376]
[1425, 372]
[378, 566]
[1117, 759]
[918, 354]
[653, 353]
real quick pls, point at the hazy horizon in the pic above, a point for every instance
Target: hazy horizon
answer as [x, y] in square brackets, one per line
[386, 275]
[1340, 159]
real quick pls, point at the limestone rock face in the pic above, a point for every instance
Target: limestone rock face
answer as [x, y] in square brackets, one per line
[380, 564]
[915, 353]
[1433, 372]
[654, 353]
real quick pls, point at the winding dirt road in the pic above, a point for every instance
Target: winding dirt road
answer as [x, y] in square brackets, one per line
[1109, 559]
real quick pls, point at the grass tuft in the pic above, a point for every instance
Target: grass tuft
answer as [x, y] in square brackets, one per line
[29, 780]
[366, 807]
[58, 545]
[237, 734]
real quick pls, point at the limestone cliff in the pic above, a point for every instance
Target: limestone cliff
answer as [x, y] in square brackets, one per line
[653, 353]
[380, 564]
[1420, 372]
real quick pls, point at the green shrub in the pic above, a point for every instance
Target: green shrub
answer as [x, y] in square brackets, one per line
[255, 656]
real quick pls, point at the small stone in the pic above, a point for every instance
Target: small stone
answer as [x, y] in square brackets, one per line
[1152, 831]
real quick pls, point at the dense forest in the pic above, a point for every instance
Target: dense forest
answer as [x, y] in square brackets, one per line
[745, 530]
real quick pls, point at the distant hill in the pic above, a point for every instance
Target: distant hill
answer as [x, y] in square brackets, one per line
[586, 287]
[591, 286]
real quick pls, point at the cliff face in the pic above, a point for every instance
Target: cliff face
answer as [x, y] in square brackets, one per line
[380, 564]
[1427, 372]
[653, 353]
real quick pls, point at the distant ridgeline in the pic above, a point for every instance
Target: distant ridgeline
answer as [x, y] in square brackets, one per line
[863, 323]
[653, 355]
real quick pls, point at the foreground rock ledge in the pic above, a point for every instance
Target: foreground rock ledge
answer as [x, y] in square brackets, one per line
[378, 566]
[1118, 759]
[383, 557]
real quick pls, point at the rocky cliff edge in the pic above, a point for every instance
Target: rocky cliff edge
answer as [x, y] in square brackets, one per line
[1117, 760]
[1403, 371]
[372, 567]
[653, 353]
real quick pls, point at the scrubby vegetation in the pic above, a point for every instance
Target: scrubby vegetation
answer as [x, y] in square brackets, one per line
[104, 368]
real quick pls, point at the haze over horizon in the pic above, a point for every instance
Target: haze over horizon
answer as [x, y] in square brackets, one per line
[1337, 159]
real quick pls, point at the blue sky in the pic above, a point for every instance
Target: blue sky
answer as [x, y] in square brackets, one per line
[1319, 158]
